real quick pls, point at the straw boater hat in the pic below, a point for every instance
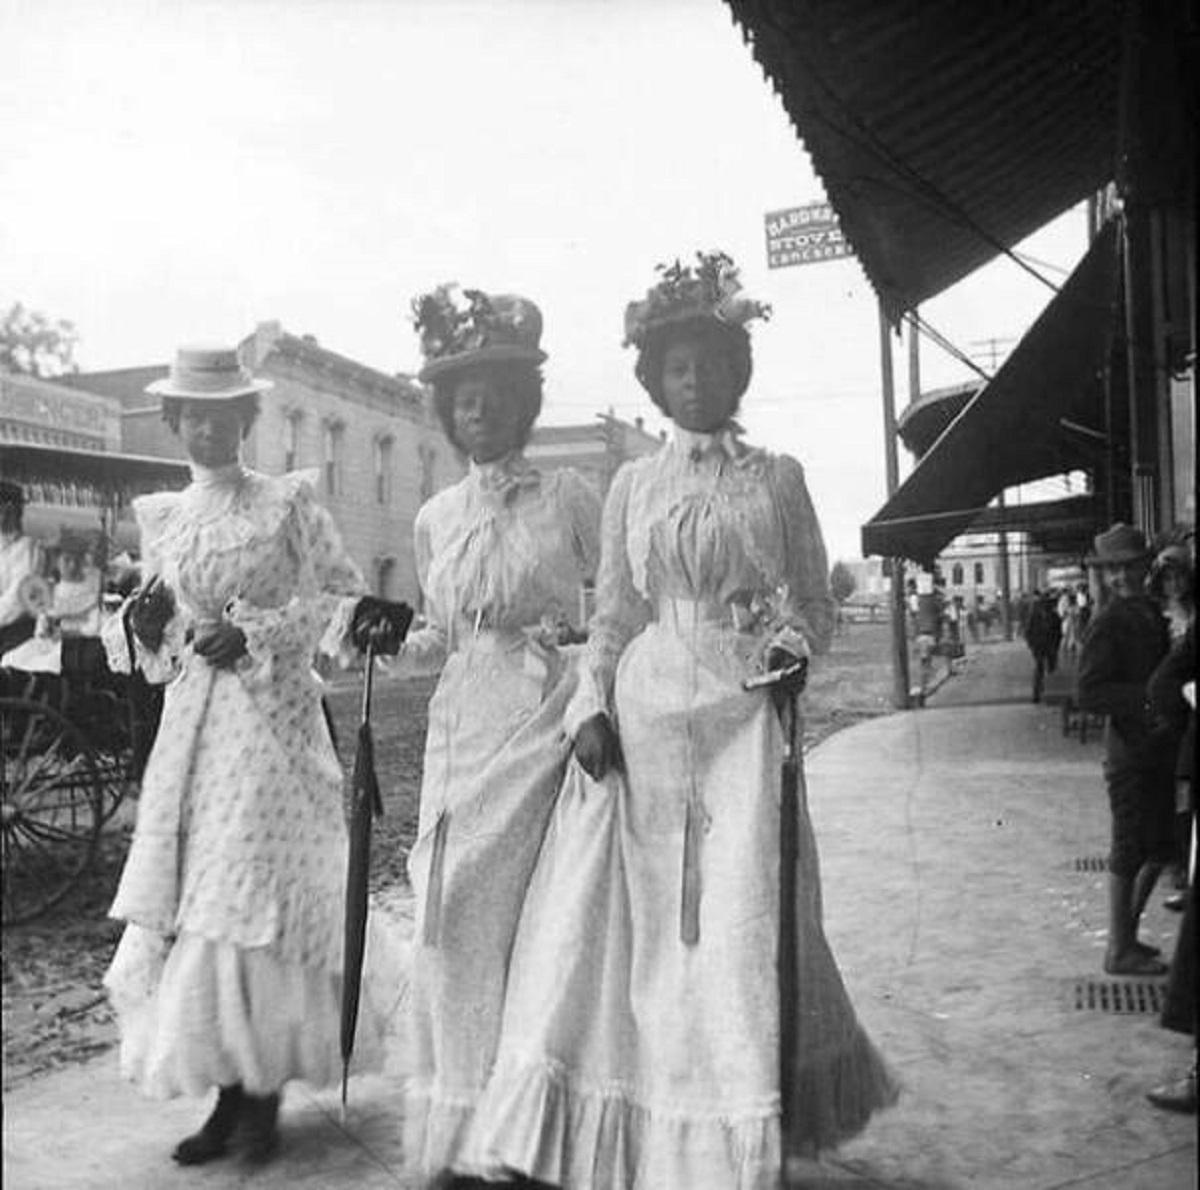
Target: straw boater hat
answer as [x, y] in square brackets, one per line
[1119, 545]
[709, 292]
[465, 328]
[203, 372]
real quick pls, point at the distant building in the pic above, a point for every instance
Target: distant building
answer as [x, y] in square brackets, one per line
[378, 451]
[50, 413]
[595, 449]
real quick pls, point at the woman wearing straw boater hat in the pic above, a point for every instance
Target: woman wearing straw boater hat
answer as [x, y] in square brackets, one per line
[502, 558]
[228, 974]
[1123, 645]
[642, 1034]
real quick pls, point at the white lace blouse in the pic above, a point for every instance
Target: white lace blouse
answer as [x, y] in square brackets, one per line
[506, 550]
[714, 523]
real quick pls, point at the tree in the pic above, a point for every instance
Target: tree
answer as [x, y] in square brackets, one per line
[841, 582]
[35, 345]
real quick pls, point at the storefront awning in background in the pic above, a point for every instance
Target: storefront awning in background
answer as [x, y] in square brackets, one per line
[1039, 416]
[944, 132]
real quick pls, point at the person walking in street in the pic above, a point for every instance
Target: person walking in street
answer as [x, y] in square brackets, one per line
[502, 558]
[1124, 643]
[1043, 635]
[229, 971]
[640, 1048]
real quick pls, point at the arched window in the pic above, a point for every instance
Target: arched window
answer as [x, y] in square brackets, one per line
[979, 574]
[332, 457]
[291, 440]
[956, 574]
[426, 457]
[383, 469]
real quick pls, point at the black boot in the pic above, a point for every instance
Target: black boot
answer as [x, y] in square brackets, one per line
[260, 1130]
[215, 1132]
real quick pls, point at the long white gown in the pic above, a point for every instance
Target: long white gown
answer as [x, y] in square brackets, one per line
[640, 1040]
[230, 967]
[502, 557]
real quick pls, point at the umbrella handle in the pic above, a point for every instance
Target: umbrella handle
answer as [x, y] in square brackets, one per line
[368, 682]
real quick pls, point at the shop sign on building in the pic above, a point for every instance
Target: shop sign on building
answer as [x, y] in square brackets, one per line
[804, 235]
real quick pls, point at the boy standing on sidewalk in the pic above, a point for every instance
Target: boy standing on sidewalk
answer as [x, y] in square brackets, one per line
[1123, 645]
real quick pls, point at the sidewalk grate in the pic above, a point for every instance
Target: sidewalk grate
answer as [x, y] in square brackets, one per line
[1092, 863]
[1123, 996]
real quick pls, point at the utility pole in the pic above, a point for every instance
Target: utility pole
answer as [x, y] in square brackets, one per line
[900, 679]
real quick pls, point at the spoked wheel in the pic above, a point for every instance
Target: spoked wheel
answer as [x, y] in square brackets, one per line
[52, 807]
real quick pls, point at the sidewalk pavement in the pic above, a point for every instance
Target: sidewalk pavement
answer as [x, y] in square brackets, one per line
[958, 846]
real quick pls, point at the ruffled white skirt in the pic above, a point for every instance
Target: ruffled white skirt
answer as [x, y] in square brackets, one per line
[196, 1013]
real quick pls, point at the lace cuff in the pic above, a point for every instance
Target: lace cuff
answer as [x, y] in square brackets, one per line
[336, 642]
[157, 667]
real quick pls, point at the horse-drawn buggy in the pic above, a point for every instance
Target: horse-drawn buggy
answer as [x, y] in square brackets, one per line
[73, 735]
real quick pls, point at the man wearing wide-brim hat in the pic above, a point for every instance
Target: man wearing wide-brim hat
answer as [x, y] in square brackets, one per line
[1121, 649]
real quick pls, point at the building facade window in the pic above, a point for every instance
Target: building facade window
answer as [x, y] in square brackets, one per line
[956, 574]
[979, 574]
[331, 462]
[291, 441]
[426, 458]
[383, 469]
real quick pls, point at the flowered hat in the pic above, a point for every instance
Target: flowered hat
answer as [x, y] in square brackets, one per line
[711, 290]
[204, 372]
[1118, 545]
[461, 328]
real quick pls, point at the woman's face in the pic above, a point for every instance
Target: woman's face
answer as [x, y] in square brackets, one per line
[698, 385]
[487, 424]
[211, 432]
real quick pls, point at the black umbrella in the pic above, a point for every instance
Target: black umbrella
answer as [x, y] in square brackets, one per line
[786, 686]
[365, 804]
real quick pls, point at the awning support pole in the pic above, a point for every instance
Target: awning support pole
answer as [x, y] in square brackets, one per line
[900, 679]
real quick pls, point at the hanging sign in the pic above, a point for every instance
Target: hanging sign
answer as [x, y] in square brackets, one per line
[804, 235]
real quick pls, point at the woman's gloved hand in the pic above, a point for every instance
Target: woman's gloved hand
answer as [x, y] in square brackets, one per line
[787, 651]
[151, 609]
[597, 747]
[221, 647]
[382, 623]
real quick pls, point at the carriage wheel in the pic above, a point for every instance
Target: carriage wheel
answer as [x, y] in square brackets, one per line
[52, 807]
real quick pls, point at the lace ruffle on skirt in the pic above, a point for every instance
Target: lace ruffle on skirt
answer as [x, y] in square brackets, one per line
[194, 1014]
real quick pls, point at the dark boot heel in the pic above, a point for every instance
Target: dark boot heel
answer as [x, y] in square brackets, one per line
[214, 1134]
[260, 1127]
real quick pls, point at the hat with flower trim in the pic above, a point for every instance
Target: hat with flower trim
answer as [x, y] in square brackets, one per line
[709, 291]
[463, 328]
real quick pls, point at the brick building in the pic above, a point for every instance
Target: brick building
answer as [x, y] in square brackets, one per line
[594, 449]
[378, 449]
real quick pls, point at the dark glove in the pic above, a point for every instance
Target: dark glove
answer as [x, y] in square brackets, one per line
[779, 659]
[597, 747]
[382, 623]
[222, 647]
[149, 612]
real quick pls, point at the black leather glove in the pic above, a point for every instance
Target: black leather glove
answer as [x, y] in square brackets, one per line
[149, 612]
[382, 623]
[597, 747]
[779, 659]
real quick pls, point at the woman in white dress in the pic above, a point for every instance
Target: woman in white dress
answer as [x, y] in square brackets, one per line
[502, 558]
[640, 1039]
[228, 973]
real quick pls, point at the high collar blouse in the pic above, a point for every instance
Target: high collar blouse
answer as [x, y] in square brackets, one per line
[506, 549]
[712, 521]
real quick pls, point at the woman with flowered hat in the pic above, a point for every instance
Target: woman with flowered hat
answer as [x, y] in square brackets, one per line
[229, 972]
[502, 558]
[640, 1043]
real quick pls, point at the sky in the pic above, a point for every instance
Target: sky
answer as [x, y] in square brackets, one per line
[179, 170]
